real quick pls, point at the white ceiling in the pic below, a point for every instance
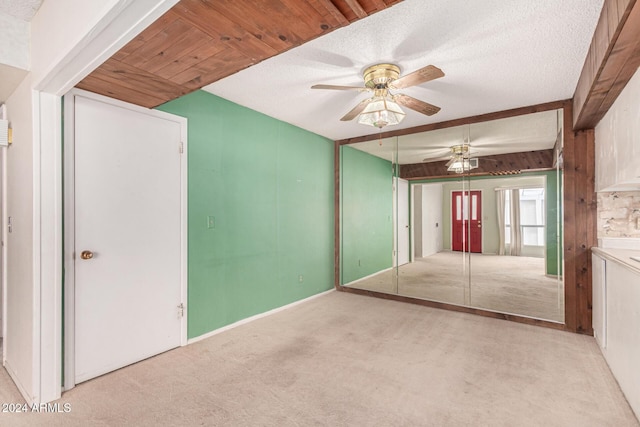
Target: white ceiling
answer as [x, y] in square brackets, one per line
[15, 16]
[21, 9]
[496, 55]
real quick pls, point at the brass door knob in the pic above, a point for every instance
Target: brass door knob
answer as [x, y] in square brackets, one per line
[86, 255]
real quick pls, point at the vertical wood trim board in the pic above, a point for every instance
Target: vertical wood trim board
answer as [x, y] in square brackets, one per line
[580, 229]
[336, 203]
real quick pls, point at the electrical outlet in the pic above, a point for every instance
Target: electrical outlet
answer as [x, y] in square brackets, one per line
[211, 222]
[300, 278]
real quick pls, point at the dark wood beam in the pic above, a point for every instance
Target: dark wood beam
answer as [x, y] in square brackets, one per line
[555, 105]
[487, 165]
[580, 233]
[356, 8]
[613, 58]
[336, 216]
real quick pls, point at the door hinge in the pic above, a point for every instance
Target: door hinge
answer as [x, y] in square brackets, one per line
[181, 148]
[181, 310]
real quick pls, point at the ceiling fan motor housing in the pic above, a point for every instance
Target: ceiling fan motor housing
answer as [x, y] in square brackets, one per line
[380, 75]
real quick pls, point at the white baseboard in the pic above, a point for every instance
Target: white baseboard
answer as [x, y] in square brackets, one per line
[366, 277]
[256, 317]
[29, 399]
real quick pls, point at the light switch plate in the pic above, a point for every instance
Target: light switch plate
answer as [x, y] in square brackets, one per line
[211, 222]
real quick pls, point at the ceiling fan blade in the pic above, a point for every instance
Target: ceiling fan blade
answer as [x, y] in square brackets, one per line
[420, 76]
[334, 87]
[416, 104]
[357, 110]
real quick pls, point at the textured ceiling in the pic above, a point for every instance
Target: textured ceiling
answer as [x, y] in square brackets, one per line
[21, 9]
[496, 55]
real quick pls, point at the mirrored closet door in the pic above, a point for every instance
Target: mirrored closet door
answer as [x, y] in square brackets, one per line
[467, 215]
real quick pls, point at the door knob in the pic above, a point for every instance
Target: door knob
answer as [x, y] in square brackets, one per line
[86, 255]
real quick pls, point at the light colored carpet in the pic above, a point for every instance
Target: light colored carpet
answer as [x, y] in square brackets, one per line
[514, 285]
[351, 360]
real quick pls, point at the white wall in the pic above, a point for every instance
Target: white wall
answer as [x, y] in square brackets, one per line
[20, 292]
[618, 142]
[60, 26]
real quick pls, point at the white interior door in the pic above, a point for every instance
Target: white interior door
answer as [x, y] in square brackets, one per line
[403, 221]
[128, 216]
[431, 219]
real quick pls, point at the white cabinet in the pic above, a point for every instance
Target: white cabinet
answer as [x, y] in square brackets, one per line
[623, 330]
[617, 148]
[616, 318]
[599, 302]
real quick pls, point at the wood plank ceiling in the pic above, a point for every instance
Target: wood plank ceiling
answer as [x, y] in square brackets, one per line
[198, 42]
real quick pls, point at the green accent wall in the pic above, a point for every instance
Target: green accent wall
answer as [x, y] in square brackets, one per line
[366, 214]
[554, 223]
[268, 188]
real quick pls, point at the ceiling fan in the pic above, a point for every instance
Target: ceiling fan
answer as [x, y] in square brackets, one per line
[461, 159]
[382, 108]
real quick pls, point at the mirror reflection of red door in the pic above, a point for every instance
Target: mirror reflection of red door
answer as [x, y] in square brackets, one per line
[466, 221]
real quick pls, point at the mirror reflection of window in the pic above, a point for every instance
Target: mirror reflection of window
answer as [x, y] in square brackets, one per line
[532, 216]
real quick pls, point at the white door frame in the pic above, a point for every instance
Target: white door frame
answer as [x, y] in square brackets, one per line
[118, 26]
[69, 220]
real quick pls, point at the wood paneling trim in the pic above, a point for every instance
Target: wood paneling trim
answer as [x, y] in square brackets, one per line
[613, 58]
[333, 11]
[118, 74]
[459, 122]
[356, 8]
[199, 42]
[528, 160]
[580, 232]
[336, 215]
[570, 227]
[117, 91]
[579, 224]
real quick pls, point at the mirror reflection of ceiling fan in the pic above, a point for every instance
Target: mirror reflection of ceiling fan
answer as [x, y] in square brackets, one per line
[461, 160]
[382, 108]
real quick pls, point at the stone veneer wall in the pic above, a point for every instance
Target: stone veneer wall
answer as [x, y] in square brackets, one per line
[619, 214]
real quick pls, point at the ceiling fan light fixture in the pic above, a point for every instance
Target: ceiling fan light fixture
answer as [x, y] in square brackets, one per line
[382, 111]
[461, 164]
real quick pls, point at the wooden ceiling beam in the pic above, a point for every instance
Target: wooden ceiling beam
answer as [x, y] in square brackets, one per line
[198, 42]
[379, 4]
[613, 58]
[331, 9]
[356, 8]
[498, 164]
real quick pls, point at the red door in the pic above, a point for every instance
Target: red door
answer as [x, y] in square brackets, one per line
[466, 221]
